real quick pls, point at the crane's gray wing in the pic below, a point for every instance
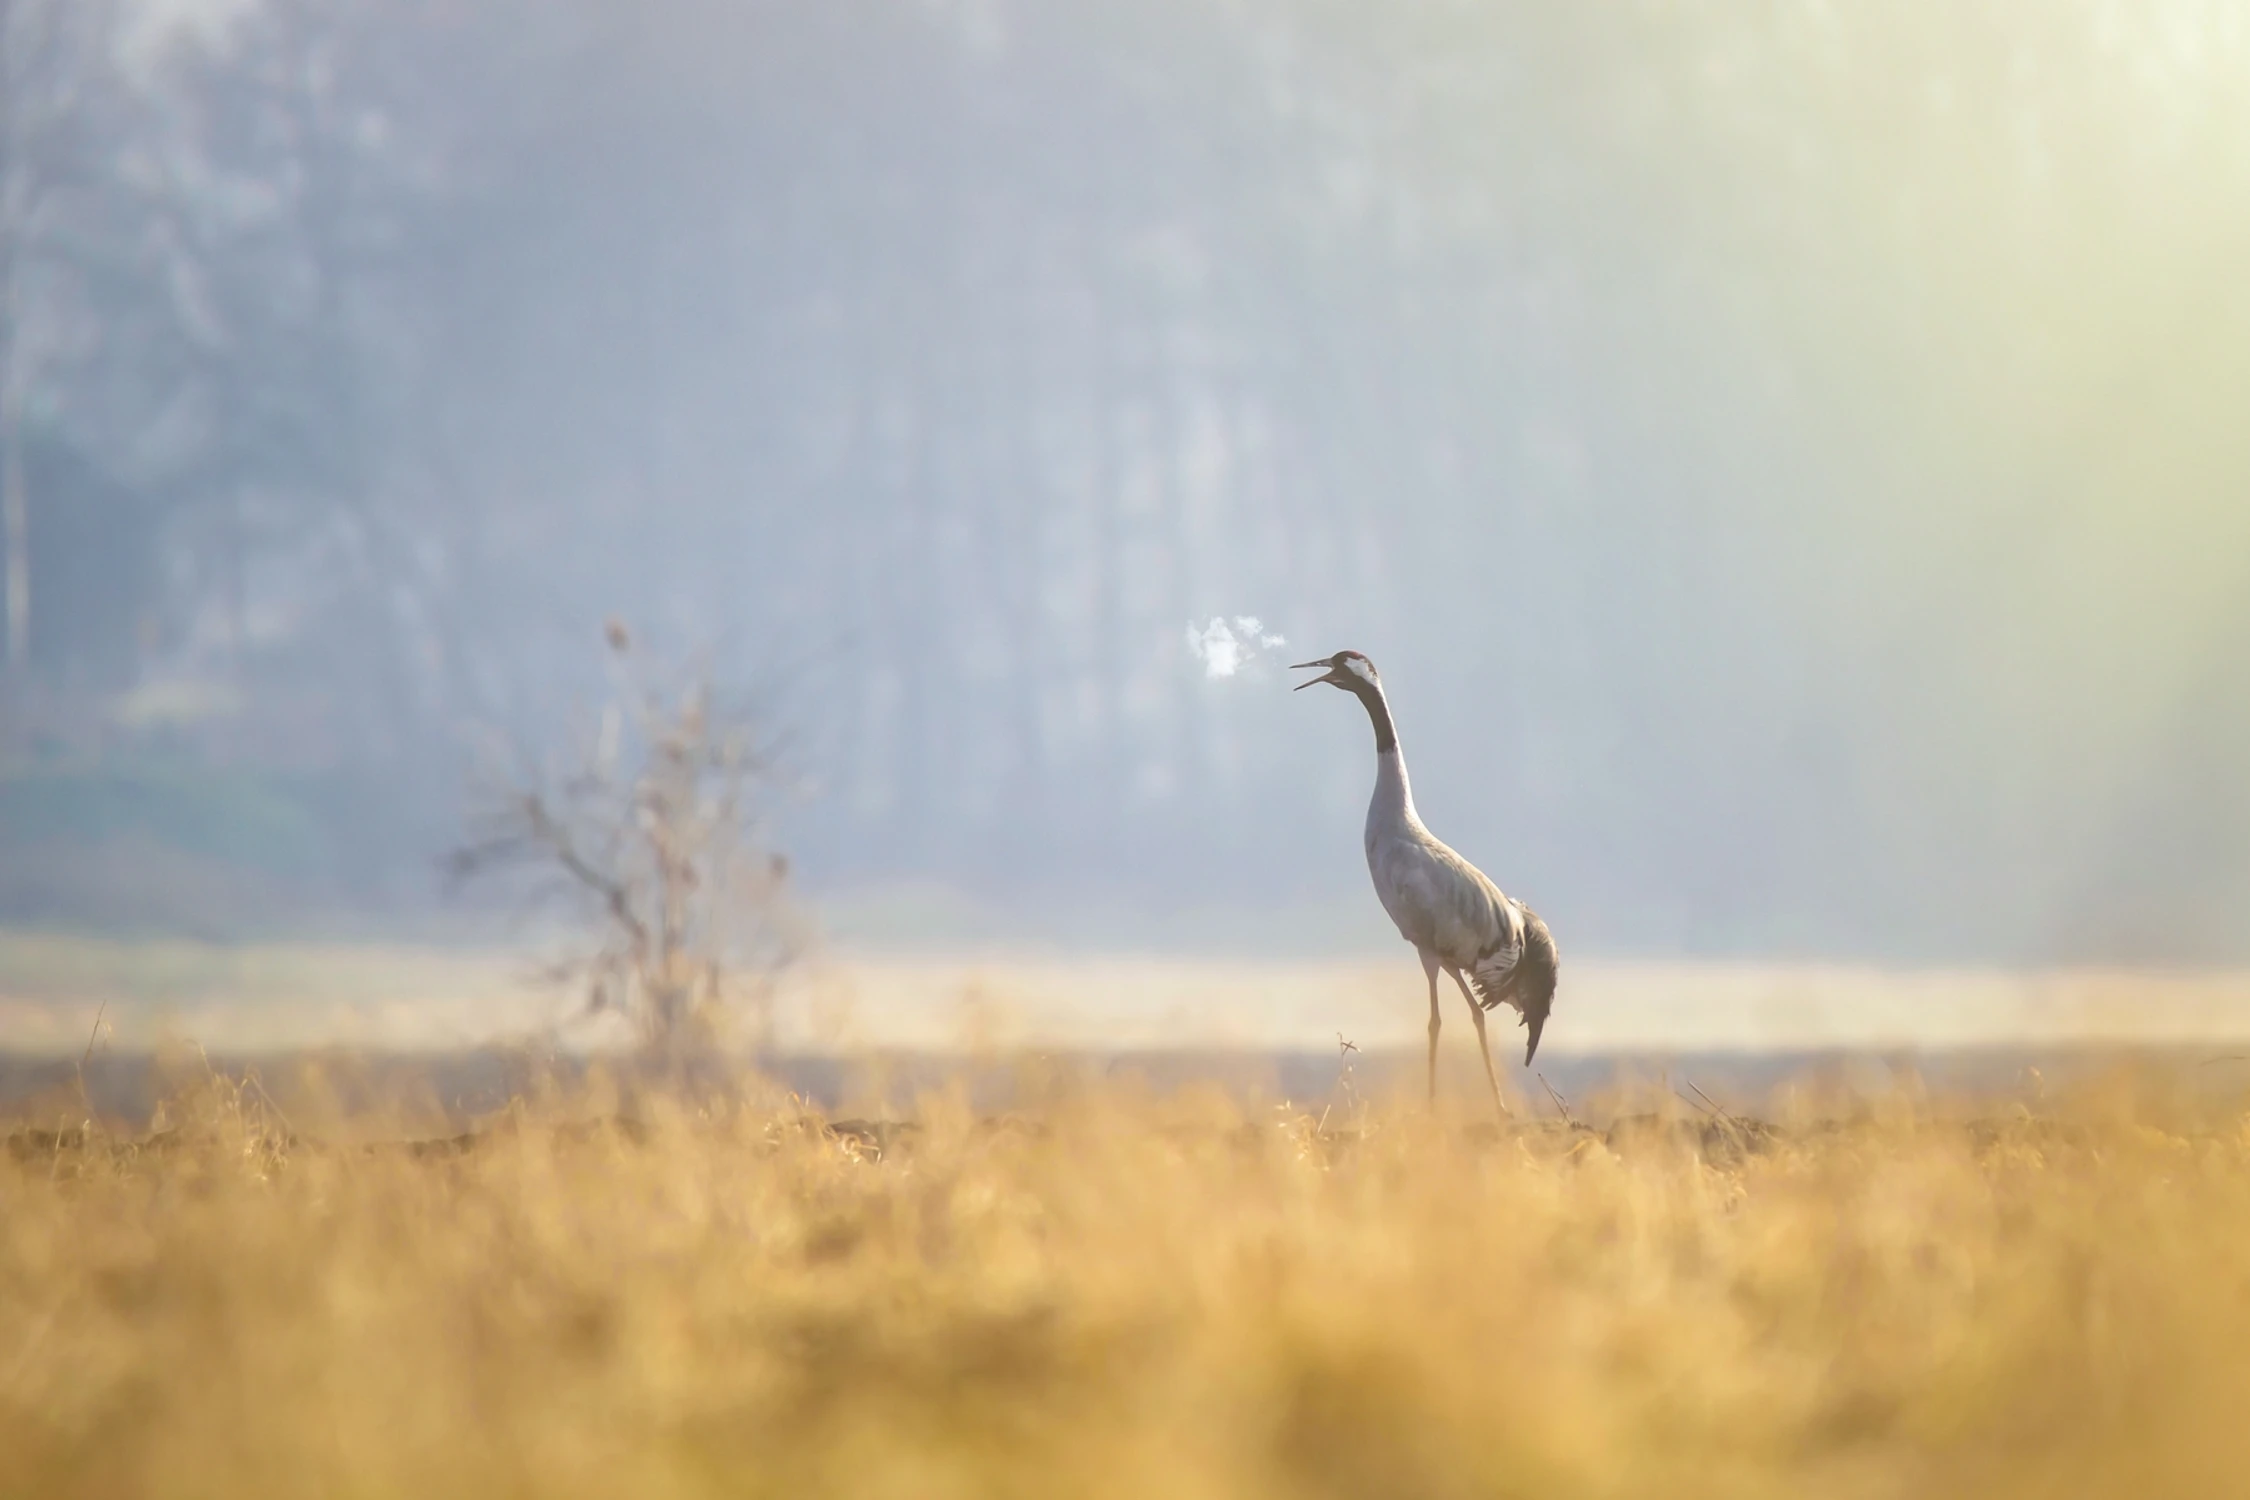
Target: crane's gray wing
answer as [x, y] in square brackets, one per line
[1475, 928]
[1483, 933]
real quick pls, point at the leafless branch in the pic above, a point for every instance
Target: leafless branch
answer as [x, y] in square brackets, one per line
[653, 832]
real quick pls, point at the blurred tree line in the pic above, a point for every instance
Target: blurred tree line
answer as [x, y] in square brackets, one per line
[1783, 456]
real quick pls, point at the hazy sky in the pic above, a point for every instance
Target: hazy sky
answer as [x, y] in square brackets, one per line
[1787, 460]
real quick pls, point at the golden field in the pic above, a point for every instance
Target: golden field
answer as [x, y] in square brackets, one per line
[1111, 1291]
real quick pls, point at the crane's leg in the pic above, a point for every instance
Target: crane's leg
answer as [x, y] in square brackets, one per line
[1484, 1047]
[1430, 972]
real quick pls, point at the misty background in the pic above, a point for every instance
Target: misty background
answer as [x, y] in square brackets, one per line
[1790, 461]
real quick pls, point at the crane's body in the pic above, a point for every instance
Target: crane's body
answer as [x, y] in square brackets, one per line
[1494, 947]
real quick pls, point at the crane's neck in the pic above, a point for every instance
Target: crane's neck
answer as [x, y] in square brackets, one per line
[1394, 796]
[1378, 709]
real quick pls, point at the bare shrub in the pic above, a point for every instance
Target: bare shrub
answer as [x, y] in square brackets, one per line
[652, 836]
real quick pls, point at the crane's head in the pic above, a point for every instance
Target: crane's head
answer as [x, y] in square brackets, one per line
[1348, 670]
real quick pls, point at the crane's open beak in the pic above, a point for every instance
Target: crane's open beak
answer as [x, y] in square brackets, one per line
[1328, 676]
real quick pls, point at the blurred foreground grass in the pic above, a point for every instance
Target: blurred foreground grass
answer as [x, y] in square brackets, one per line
[1110, 1293]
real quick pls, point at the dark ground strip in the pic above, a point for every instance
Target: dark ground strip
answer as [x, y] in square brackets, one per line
[462, 1087]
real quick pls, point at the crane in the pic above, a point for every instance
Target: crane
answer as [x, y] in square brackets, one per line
[1460, 923]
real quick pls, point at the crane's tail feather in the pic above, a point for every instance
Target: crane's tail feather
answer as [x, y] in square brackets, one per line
[1528, 985]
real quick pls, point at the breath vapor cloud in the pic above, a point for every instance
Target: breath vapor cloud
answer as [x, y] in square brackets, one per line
[1225, 646]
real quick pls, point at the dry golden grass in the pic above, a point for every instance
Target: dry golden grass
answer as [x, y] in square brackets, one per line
[1113, 1294]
